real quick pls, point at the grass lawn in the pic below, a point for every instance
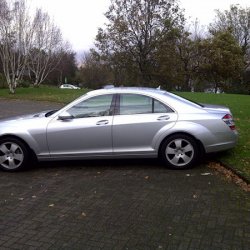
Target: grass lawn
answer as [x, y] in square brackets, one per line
[44, 93]
[238, 158]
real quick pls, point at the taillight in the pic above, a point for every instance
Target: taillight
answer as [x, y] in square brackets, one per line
[228, 119]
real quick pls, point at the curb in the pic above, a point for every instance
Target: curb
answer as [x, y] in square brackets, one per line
[234, 172]
[230, 174]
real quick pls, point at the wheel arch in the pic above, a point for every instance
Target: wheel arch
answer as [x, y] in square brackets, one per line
[199, 143]
[22, 140]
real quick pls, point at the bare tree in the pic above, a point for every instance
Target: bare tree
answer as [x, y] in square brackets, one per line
[94, 72]
[15, 40]
[47, 47]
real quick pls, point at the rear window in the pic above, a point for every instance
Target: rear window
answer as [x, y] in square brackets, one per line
[184, 99]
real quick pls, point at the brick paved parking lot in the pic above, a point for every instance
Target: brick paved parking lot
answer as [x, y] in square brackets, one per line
[129, 204]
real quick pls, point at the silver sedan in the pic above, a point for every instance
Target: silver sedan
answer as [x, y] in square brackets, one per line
[119, 123]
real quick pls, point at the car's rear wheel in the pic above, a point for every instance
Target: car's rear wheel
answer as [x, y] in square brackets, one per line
[13, 154]
[179, 151]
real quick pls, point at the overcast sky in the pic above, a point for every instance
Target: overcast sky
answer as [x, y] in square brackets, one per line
[80, 19]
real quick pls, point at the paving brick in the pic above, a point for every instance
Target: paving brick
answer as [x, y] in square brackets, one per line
[110, 205]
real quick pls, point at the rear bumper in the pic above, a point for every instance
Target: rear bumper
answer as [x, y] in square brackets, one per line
[220, 147]
[223, 145]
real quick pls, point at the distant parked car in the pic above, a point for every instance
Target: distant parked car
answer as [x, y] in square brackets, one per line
[108, 86]
[119, 123]
[68, 86]
[212, 90]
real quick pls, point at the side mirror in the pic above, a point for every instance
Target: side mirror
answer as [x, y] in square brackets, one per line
[65, 116]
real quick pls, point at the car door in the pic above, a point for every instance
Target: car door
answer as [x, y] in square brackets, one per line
[84, 131]
[139, 121]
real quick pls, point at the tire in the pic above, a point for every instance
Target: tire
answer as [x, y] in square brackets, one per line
[14, 154]
[179, 151]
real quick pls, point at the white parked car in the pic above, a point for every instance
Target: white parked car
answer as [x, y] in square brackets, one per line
[68, 86]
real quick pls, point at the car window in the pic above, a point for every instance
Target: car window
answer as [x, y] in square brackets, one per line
[161, 108]
[92, 107]
[135, 104]
[139, 104]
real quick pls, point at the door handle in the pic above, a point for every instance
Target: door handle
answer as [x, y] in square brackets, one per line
[102, 122]
[163, 118]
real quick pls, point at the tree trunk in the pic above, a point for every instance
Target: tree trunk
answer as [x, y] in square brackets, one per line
[215, 88]
[36, 84]
[11, 88]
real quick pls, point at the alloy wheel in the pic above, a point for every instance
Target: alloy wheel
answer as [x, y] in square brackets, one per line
[179, 152]
[11, 155]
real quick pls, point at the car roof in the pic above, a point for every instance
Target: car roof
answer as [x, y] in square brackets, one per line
[142, 90]
[174, 101]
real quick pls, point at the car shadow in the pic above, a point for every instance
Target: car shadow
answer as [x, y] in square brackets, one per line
[100, 165]
[107, 163]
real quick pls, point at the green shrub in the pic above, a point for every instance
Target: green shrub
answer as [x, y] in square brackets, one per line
[24, 83]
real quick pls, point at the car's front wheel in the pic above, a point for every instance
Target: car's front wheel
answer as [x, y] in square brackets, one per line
[13, 154]
[179, 151]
